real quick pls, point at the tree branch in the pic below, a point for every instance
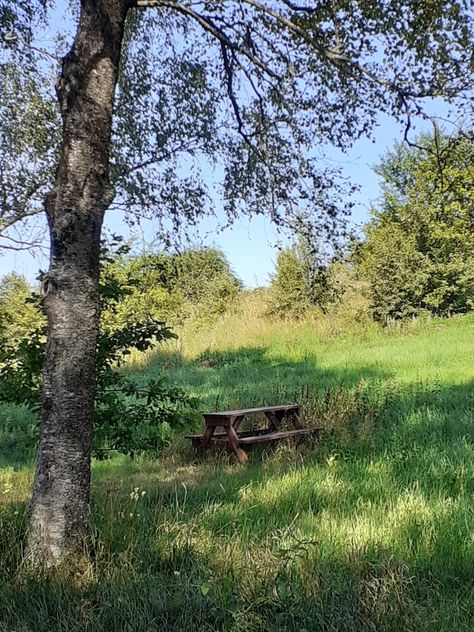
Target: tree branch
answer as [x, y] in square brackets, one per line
[333, 55]
[20, 244]
[209, 26]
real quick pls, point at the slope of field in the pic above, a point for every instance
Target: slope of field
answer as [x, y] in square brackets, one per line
[372, 530]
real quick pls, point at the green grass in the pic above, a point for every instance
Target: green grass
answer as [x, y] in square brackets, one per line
[372, 530]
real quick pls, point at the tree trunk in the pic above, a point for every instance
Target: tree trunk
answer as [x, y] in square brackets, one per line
[75, 209]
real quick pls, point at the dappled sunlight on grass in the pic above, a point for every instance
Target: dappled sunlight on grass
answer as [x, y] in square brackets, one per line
[369, 529]
[341, 505]
[15, 484]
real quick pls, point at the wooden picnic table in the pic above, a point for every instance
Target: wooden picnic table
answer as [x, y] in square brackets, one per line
[232, 438]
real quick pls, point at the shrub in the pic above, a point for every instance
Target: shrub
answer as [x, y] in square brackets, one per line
[127, 418]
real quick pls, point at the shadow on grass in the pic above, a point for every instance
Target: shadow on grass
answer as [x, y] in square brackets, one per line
[254, 376]
[278, 546]
[371, 532]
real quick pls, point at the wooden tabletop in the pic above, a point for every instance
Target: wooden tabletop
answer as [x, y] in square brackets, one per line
[251, 411]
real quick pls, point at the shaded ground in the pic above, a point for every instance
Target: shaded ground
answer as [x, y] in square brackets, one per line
[370, 531]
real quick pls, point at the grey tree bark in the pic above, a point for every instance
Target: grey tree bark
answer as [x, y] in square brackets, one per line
[75, 209]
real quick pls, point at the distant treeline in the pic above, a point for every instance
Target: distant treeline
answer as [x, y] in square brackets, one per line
[415, 257]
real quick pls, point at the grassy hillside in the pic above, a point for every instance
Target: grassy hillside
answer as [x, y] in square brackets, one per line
[372, 530]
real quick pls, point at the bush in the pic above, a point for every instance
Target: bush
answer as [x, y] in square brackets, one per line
[133, 419]
[207, 283]
[127, 418]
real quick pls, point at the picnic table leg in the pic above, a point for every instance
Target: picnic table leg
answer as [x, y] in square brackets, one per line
[206, 440]
[234, 442]
[295, 414]
[274, 421]
[275, 418]
[236, 422]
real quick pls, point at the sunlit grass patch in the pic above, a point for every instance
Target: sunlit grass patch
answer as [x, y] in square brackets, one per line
[369, 529]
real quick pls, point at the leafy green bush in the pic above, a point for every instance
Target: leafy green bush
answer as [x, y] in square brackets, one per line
[21, 362]
[397, 272]
[205, 279]
[418, 252]
[300, 282]
[197, 283]
[127, 418]
[133, 419]
[138, 288]
[19, 313]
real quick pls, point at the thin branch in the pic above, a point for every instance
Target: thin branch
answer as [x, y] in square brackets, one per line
[209, 26]
[332, 55]
[6, 223]
[14, 37]
[158, 158]
[233, 99]
[19, 244]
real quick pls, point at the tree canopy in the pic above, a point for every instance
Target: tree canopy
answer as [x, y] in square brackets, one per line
[418, 253]
[250, 92]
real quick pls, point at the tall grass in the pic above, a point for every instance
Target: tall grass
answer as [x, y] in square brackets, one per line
[371, 529]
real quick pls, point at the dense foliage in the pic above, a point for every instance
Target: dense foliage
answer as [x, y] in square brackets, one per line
[22, 334]
[418, 252]
[138, 294]
[301, 281]
[171, 287]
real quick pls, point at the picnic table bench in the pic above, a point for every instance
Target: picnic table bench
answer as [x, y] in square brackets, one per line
[232, 438]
